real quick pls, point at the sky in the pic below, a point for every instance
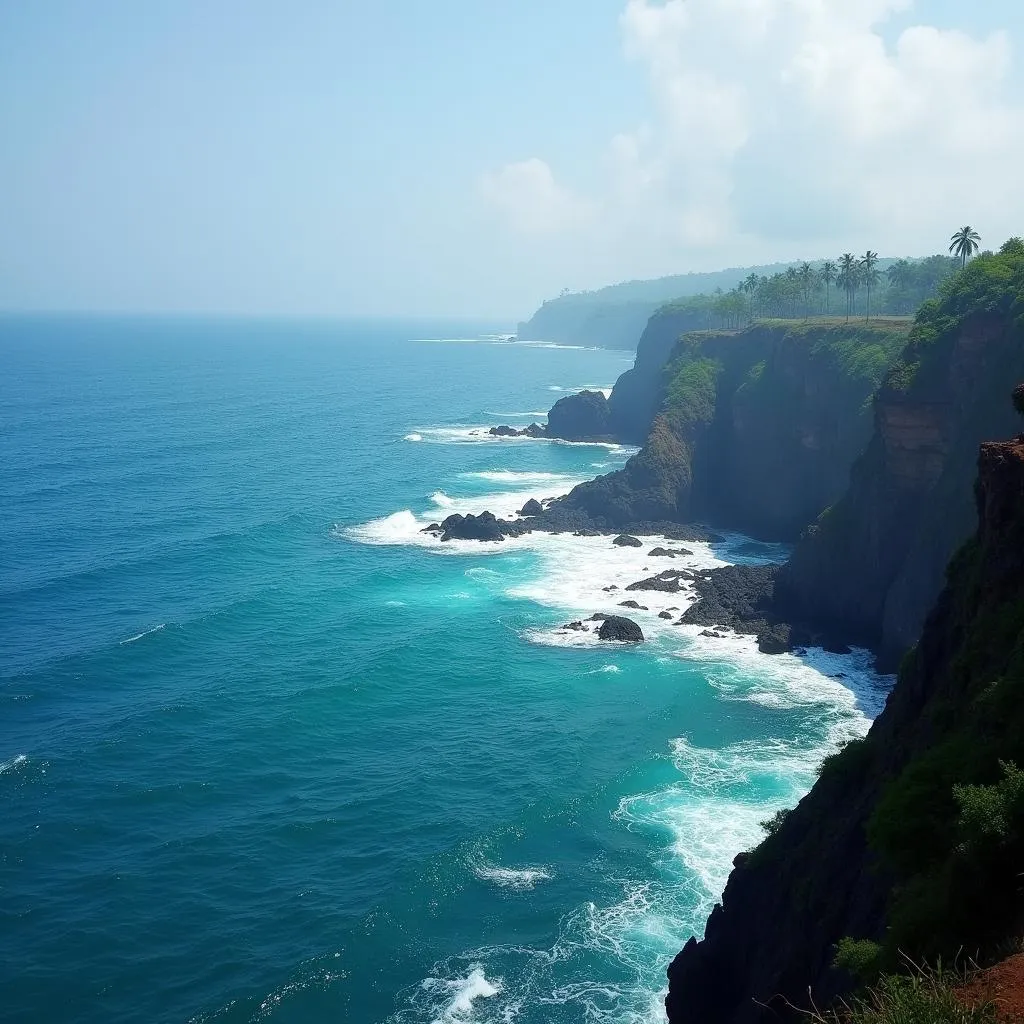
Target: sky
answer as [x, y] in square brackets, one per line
[474, 157]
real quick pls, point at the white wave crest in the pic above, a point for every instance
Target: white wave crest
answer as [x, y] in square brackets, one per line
[518, 879]
[413, 437]
[139, 636]
[464, 993]
[510, 476]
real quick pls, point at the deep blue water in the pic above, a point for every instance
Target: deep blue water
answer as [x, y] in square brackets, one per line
[268, 753]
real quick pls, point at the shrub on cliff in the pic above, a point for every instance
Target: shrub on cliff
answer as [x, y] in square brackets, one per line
[924, 997]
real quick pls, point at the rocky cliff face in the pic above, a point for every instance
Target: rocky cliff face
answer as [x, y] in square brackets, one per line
[872, 566]
[885, 847]
[753, 430]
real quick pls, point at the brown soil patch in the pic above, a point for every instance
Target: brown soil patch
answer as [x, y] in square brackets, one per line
[1003, 986]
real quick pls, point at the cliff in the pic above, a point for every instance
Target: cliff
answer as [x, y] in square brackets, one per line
[614, 316]
[911, 838]
[753, 430]
[870, 568]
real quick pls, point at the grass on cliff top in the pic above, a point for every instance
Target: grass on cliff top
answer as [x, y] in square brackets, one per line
[925, 996]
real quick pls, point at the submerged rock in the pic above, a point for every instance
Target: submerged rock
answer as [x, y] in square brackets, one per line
[664, 615]
[633, 604]
[669, 553]
[618, 627]
[577, 626]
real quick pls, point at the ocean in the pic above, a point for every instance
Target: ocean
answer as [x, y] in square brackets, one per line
[270, 753]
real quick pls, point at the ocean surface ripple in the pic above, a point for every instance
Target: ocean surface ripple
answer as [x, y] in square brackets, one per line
[270, 753]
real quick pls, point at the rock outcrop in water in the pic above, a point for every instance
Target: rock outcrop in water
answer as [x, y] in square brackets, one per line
[621, 629]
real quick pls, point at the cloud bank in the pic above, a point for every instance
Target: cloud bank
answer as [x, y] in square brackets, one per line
[786, 127]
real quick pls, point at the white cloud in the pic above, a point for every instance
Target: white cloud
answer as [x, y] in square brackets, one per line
[532, 202]
[782, 125]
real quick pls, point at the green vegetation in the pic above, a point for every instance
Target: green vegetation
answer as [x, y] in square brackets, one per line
[964, 244]
[992, 284]
[805, 291]
[922, 997]
[860, 958]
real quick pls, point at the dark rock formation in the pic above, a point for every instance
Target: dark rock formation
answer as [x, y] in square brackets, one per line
[584, 416]
[636, 605]
[532, 508]
[625, 541]
[534, 430]
[875, 851]
[669, 553]
[484, 527]
[755, 429]
[576, 626]
[667, 582]
[618, 627]
[873, 564]
[665, 615]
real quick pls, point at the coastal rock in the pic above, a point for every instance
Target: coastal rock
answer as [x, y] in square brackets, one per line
[577, 626]
[484, 527]
[665, 615]
[597, 617]
[669, 553]
[848, 860]
[618, 627]
[532, 508]
[634, 605]
[533, 430]
[581, 417]
[712, 633]
[667, 582]
[624, 540]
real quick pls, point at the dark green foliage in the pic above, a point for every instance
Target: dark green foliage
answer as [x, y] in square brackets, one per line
[859, 957]
[991, 816]
[1018, 398]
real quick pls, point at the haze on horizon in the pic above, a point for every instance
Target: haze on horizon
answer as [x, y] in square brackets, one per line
[473, 159]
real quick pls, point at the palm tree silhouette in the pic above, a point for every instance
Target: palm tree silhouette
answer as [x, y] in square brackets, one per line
[869, 275]
[827, 274]
[847, 279]
[964, 243]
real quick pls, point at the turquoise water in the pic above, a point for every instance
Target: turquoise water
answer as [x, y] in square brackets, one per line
[269, 753]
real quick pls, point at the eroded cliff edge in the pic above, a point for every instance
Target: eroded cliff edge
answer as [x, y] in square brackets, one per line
[872, 565]
[878, 849]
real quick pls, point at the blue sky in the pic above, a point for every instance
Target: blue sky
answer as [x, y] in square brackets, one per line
[473, 158]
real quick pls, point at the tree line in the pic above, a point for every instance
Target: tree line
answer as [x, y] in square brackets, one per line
[850, 286]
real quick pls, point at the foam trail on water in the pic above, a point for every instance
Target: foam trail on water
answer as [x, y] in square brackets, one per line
[139, 636]
[518, 879]
[480, 434]
[6, 766]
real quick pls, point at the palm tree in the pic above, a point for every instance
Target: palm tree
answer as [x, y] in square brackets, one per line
[806, 275]
[827, 274]
[964, 244]
[847, 279]
[869, 275]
